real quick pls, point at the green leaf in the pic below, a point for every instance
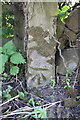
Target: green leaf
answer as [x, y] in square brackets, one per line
[53, 83]
[65, 86]
[5, 75]
[63, 11]
[14, 70]
[3, 59]
[17, 58]
[60, 12]
[7, 96]
[62, 19]
[41, 111]
[0, 49]
[0, 93]
[1, 69]
[21, 95]
[68, 73]
[65, 8]
[9, 48]
[31, 101]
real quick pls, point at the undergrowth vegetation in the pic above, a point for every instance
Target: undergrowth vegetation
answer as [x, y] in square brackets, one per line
[10, 56]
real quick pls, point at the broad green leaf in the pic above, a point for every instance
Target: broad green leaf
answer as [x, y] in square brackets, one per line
[10, 52]
[17, 58]
[65, 8]
[3, 59]
[0, 49]
[1, 69]
[14, 70]
[0, 93]
[9, 48]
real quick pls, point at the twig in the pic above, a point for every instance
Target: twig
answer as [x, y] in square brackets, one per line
[27, 110]
[8, 83]
[59, 44]
[53, 104]
[75, 81]
[9, 100]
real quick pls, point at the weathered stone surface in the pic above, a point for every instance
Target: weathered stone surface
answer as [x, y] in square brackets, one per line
[63, 41]
[71, 32]
[73, 20]
[60, 28]
[41, 55]
[41, 45]
[40, 14]
[71, 35]
[71, 60]
[67, 35]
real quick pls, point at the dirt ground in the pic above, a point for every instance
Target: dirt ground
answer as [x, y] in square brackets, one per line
[68, 107]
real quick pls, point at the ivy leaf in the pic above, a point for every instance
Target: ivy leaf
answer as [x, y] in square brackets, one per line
[63, 12]
[62, 19]
[65, 8]
[14, 70]
[60, 12]
[17, 58]
[9, 48]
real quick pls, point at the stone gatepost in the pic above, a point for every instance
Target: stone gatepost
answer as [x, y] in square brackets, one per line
[41, 44]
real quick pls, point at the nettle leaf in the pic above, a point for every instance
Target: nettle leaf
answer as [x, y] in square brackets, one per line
[1, 69]
[14, 70]
[9, 48]
[17, 58]
[0, 49]
[3, 59]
